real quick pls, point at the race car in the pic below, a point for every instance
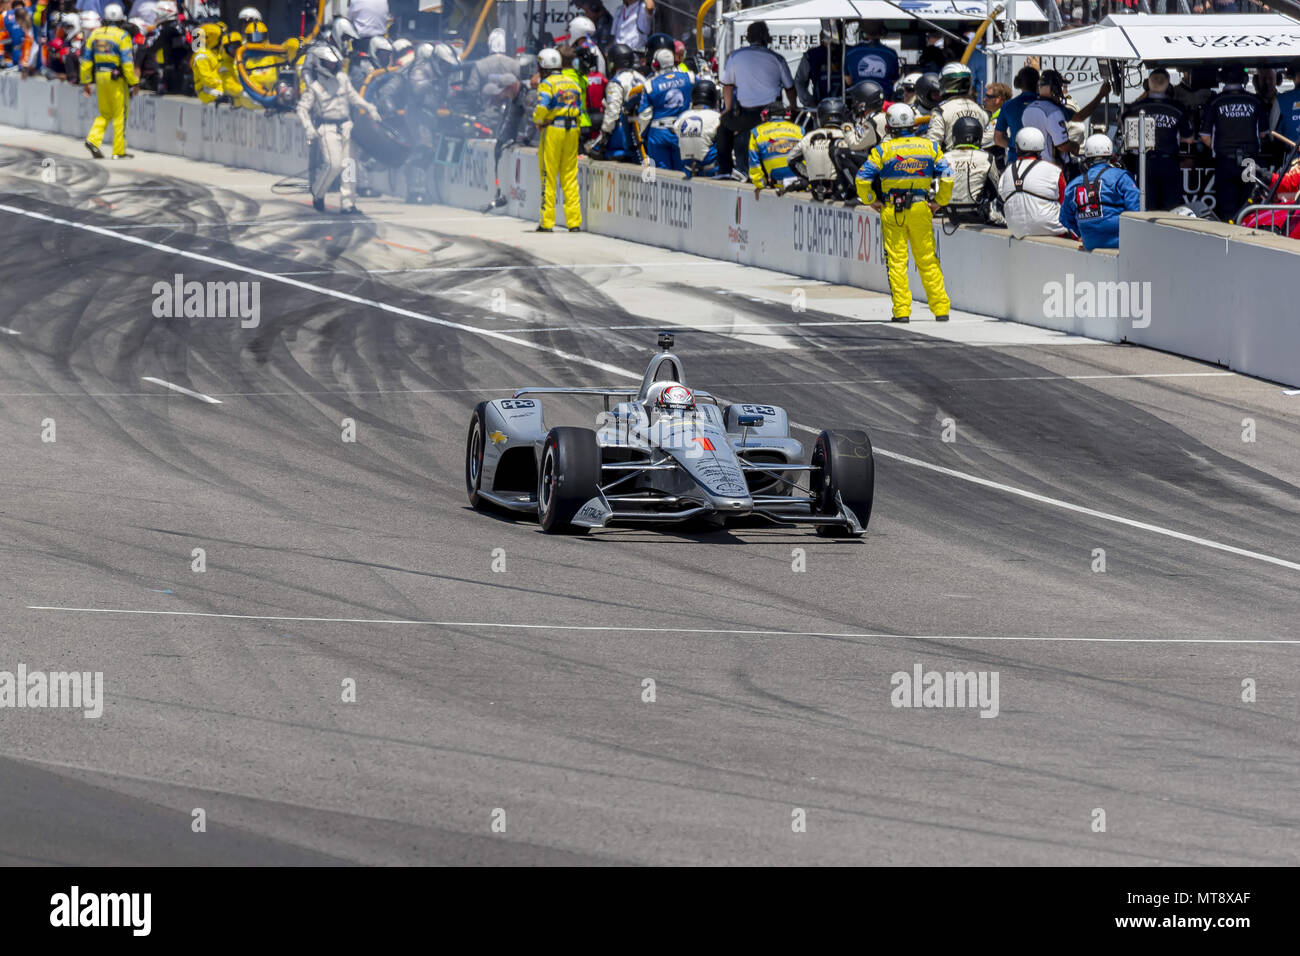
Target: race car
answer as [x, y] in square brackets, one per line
[664, 453]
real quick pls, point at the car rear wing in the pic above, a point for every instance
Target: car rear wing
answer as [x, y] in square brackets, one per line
[606, 392]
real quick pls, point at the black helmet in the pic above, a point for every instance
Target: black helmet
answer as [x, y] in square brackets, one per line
[967, 131]
[866, 96]
[927, 92]
[705, 93]
[656, 42]
[832, 111]
[621, 57]
[587, 61]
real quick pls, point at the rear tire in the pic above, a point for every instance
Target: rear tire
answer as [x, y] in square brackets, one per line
[567, 478]
[845, 465]
[475, 443]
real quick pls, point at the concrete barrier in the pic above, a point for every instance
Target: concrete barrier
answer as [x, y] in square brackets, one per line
[1205, 290]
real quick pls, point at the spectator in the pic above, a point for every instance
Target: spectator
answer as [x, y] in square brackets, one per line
[1011, 116]
[603, 35]
[1231, 127]
[1285, 115]
[1032, 189]
[1172, 129]
[753, 78]
[632, 23]
[870, 58]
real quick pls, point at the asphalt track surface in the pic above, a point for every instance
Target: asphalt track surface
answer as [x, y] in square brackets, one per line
[522, 690]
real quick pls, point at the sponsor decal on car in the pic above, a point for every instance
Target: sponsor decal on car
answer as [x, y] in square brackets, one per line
[497, 437]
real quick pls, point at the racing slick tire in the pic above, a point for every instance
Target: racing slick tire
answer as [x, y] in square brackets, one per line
[568, 476]
[843, 464]
[475, 443]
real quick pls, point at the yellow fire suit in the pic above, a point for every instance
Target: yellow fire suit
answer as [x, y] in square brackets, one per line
[111, 65]
[558, 112]
[903, 168]
[205, 64]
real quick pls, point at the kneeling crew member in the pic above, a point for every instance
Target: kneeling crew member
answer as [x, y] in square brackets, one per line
[559, 103]
[899, 173]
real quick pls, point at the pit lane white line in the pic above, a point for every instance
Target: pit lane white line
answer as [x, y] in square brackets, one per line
[621, 629]
[8, 331]
[305, 221]
[527, 267]
[628, 374]
[321, 290]
[182, 389]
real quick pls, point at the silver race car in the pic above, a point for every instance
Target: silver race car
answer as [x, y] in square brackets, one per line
[664, 452]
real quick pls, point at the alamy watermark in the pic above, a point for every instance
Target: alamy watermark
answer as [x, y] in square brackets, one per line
[77, 690]
[922, 688]
[179, 299]
[1085, 299]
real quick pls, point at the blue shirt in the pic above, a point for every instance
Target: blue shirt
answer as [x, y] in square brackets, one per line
[1094, 203]
[1288, 114]
[1011, 119]
[668, 94]
[872, 61]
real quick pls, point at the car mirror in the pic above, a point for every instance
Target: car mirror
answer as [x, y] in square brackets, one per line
[749, 421]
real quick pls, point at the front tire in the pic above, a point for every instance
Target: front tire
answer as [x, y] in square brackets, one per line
[475, 443]
[844, 466]
[568, 477]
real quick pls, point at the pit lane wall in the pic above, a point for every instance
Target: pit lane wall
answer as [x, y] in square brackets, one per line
[1204, 290]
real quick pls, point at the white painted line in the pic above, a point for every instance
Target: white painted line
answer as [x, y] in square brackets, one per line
[666, 628]
[8, 331]
[305, 221]
[527, 268]
[1078, 509]
[1015, 378]
[321, 290]
[182, 389]
[628, 374]
[1291, 391]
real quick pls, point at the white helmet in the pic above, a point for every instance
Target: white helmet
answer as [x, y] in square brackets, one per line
[445, 53]
[71, 24]
[580, 27]
[424, 52]
[342, 30]
[1097, 147]
[380, 48]
[1187, 211]
[113, 13]
[328, 58]
[497, 41]
[249, 13]
[549, 59]
[1030, 139]
[664, 59]
[165, 10]
[89, 21]
[403, 54]
[900, 116]
[670, 395]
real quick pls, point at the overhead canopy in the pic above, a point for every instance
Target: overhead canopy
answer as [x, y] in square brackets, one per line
[1026, 10]
[1172, 39]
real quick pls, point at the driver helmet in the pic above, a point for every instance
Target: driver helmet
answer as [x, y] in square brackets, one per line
[671, 397]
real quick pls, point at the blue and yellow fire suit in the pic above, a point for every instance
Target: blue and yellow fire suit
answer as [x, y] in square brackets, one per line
[899, 173]
[111, 65]
[559, 105]
[769, 147]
